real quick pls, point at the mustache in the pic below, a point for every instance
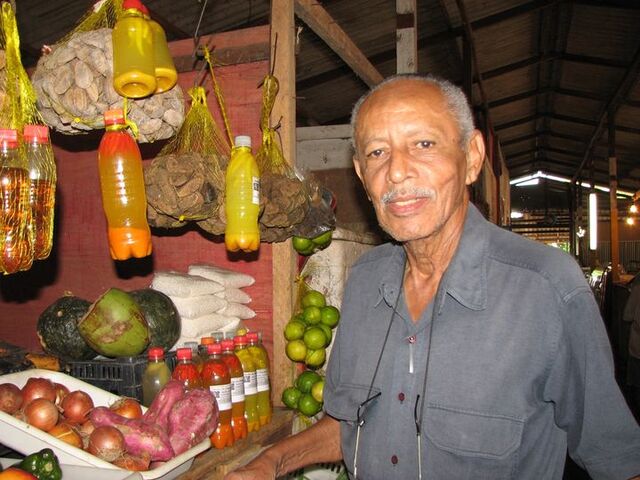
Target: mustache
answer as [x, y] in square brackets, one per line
[391, 195]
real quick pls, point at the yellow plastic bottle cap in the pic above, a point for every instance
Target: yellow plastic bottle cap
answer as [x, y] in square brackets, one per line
[243, 141]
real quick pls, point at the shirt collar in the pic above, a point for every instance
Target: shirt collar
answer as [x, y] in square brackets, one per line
[464, 279]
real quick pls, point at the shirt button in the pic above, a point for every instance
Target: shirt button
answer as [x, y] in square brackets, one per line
[401, 397]
[412, 339]
[394, 459]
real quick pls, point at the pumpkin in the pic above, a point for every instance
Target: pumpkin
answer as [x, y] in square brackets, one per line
[161, 316]
[58, 329]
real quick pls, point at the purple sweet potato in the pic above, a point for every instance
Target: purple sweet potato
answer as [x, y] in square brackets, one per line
[159, 409]
[140, 437]
[192, 419]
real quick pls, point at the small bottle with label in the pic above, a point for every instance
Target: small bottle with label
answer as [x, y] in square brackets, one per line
[250, 383]
[216, 377]
[185, 371]
[261, 360]
[238, 422]
[155, 375]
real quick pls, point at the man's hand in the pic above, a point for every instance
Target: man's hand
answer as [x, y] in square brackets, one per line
[260, 468]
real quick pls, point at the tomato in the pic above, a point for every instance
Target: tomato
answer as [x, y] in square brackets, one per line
[13, 473]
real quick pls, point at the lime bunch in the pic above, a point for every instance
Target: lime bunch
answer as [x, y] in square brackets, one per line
[306, 395]
[310, 331]
[308, 246]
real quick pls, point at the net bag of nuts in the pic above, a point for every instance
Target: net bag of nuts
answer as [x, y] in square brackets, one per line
[185, 182]
[73, 81]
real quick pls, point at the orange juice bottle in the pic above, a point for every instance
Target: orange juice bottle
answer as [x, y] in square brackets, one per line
[185, 371]
[133, 54]
[250, 383]
[42, 189]
[242, 198]
[238, 422]
[123, 194]
[216, 377]
[16, 242]
[261, 360]
[202, 350]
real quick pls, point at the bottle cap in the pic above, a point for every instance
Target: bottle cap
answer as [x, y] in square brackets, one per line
[240, 340]
[155, 353]
[214, 348]
[227, 344]
[114, 117]
[8, 135]
[39, 133]
[183, 354]
[143, 8]
[136, 4]
[242, 141]
[207, 340]
[252, 337]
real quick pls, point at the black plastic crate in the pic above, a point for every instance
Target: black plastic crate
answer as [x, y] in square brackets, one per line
[121, 376]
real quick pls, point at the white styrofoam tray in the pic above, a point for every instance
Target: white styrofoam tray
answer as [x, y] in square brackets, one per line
[27, 439]
[74, 472]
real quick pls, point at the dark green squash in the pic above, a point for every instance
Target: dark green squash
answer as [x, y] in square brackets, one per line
[58, 331]
[161, 315]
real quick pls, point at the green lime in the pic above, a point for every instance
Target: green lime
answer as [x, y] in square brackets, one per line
[313, 298]
[294, 330]
[315, 358]
[301, 244]
[330, 316]
[290, 397]
[296, 350]
[309, 406]
[298, 317]
[306, 380]
[315, 338]
[312, 315]
[327, 332]
[324, 239]
[317, 391]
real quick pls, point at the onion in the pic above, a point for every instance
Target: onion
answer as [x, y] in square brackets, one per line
[10, 398]
[133, 462]
[85, 431]
[65, 432]
[61, 392]
[127, 407]
[42, 414]
[76, 406]
[107, 443]
[38, 388]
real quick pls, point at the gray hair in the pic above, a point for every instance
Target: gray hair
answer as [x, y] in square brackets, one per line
[453, 95]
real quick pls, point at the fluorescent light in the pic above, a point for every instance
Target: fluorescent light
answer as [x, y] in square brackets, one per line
[524, 179]
[516, 214]
[528, 183]
[593, 221]
[532, 179]
[555, 178]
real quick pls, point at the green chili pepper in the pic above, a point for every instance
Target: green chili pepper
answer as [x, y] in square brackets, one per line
[43, 464]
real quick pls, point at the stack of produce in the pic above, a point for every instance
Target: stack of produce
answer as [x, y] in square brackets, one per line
[208, 299]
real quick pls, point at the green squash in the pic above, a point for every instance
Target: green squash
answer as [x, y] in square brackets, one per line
[161, 316]
[58, 329]
[115, 326]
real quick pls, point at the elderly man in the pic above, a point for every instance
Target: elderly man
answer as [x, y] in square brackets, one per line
[464, 351]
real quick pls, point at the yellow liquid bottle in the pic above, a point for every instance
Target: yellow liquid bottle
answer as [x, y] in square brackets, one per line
[134, 73]
[166, 74]
[242, 199]
[261, 360]
[250, 383]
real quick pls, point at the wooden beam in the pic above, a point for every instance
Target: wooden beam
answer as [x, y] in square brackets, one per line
[613, 200]
[284, 258]
[318, 19]
[518, 121]
[522, 138]
[600, 61]
[406, 36]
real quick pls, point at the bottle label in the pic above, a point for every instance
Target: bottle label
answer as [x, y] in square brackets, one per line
[250, 383]
[255, 189]
[262, 376]
[223, 395]
[237, 389]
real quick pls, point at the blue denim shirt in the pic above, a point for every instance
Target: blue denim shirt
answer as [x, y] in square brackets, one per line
[520, 368]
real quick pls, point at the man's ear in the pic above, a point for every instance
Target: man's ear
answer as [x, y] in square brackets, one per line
[358, 168]
[475, 157]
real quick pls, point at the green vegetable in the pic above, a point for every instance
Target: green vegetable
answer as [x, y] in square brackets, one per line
[161, 316]
[43, 464]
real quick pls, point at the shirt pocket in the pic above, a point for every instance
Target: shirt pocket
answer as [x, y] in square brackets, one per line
[466, 444]
[343, 401]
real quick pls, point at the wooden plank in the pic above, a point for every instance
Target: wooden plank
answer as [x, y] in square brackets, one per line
[406, 37]
[284, 258]
[318, 19]
[323, 132]
[325, 154]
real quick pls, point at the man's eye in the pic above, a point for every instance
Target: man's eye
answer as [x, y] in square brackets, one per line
[375, 153]
[425, 144]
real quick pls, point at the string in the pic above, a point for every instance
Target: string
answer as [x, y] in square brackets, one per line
[219, 96]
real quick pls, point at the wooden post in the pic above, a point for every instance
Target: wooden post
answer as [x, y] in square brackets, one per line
[406, 37]
[284, 257]
[613, 201]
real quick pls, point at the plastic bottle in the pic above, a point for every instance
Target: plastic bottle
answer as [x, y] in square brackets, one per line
[165, 69]
[261, 360]
[16, 242]
[202, 350]
[250, 383]
[196, 358]
[216, 377]
[155, 375]
[185, 371]
[134, 73]
[123, 194]
[42, 189]
[238, 422]
[242, 198]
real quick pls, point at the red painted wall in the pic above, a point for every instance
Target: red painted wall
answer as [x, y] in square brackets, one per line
[80, 260]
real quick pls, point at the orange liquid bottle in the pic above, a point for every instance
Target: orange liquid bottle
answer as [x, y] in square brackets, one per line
[185, 371]
[16, 241]
[202, 350]
[250, 383]
[238, 422]
[123, 194]
[261, 360]
[42, 189]
[216, 377]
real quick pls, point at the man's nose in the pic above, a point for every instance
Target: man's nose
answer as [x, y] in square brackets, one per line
[400, 166]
